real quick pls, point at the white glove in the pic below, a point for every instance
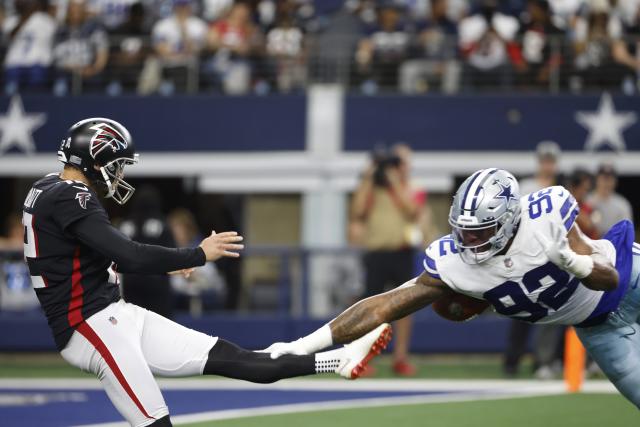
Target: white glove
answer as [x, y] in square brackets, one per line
[312, 343]
[279, 348]
[561, 254]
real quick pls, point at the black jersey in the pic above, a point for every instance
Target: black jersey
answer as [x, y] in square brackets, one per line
[73, 250]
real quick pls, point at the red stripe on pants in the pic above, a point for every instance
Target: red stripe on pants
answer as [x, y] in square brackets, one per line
[95, 340]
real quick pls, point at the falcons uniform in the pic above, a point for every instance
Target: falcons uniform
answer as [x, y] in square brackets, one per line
[69, 247]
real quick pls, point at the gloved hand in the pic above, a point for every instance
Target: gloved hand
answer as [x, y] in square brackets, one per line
[560, 253]
[279, 348]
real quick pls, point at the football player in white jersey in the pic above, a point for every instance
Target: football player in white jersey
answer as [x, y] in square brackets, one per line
[528, 258]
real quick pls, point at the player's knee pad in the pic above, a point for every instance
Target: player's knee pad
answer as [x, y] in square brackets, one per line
[162, 422]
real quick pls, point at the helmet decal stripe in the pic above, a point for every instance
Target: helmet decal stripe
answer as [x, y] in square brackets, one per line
[466, 193]
[474, 189]
[474, 205]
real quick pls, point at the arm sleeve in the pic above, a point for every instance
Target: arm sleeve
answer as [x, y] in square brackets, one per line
[132, 257]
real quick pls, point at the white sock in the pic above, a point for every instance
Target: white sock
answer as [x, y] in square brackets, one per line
[328, 361]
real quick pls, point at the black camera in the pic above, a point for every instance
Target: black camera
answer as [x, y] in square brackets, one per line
[383, 160]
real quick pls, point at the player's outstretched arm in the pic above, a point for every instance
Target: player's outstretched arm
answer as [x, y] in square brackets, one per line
[132, 257]
[584, 258]
[366, 315]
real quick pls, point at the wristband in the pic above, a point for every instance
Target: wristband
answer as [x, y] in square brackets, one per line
[318, 340]
[581, 266]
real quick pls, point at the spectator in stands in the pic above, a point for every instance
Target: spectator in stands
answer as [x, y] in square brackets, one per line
[546, 345]
[212, 10]
[331, 56]
[234, 40]
[385, 47]
[609, 207]
[81, 51]
[602, 59]
[542, 45]
[16, 292]
[204, 286]
[129, 49]
[28, 36]
[177, 41]
[146, 224]
[110, 13]
[388, 209]
[286, 49]
[487, 42]
[580, 184]
[547, 174]
[435, 65]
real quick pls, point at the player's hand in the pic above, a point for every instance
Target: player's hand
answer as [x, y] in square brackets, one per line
[560, 253]
[279, 348]
[221, 245]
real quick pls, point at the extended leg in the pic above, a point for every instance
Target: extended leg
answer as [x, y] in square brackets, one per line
[229, 360]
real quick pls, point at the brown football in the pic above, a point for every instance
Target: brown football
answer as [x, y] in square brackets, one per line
[458, 307]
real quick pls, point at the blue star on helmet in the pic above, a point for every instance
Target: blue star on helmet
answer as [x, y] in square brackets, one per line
[505, 192]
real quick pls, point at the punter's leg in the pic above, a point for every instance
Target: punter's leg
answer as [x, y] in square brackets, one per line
[172, 350]
[229, 360]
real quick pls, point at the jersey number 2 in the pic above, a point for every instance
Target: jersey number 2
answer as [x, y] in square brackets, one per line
[509, 299]
[30, 249]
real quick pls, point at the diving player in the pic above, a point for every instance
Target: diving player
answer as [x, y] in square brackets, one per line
[530, 261]
[72, 251]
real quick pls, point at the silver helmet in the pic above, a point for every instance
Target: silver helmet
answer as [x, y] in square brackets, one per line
[485, 214]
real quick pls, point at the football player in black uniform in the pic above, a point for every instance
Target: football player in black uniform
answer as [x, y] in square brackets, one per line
[73, 253]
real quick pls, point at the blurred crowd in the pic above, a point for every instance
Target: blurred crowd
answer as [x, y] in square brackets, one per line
[263, 46]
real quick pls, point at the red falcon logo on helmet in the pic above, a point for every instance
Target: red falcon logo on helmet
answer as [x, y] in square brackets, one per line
[83, 198]
[106, 137]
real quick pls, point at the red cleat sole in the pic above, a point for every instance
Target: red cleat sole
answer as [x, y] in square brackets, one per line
[377, 347]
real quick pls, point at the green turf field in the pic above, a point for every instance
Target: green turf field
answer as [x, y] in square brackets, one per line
[578, 410]
[24, 365]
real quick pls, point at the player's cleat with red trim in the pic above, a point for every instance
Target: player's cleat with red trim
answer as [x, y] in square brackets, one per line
[358, 353]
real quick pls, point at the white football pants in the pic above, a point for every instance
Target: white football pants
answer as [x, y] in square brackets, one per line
[124, 345]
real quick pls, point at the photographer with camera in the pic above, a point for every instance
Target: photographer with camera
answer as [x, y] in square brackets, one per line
[385, 211]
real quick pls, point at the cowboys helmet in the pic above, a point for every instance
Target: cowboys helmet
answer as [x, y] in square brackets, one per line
[101, 148]
[485, 214]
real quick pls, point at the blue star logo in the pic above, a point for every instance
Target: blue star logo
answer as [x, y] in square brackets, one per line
[505, 193]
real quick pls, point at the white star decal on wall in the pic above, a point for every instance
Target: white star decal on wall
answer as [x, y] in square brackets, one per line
[17, 127]
[606, 125]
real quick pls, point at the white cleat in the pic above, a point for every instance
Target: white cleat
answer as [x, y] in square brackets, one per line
[358, 353]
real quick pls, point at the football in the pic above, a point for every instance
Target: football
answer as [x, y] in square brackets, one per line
[458, 307]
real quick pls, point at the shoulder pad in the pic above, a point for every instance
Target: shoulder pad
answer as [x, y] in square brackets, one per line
[438, 249]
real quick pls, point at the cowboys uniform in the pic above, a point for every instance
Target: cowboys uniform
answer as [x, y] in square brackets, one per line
[524, 284]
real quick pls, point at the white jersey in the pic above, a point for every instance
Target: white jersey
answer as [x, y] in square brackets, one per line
[523, 283]
[33, 43]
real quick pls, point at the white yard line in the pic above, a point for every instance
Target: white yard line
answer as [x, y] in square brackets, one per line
[599, 386]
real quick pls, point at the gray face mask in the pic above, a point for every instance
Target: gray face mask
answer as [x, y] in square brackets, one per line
[113, 175]
[485, 214]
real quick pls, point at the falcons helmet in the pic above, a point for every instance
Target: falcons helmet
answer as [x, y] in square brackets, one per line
[101, 148]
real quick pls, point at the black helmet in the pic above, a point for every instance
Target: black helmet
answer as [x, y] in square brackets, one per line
[101, 148]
